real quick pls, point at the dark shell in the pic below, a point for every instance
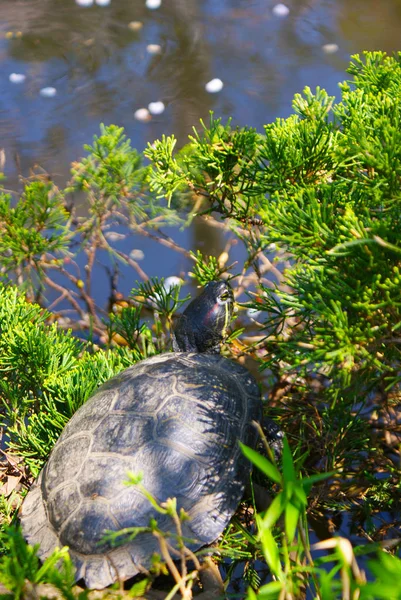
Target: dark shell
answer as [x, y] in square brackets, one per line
[177, 418]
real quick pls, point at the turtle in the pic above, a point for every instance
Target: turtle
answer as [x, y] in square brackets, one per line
[177, 418]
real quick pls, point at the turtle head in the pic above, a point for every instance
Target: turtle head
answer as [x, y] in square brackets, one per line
[203, 324]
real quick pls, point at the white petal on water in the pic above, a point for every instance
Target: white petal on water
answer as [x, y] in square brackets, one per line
[142, 114]
[17, 77]
[214, 86]
[280, 10]
[169, 282]
[84, 2]
[48, 92]
[135, 25]
[330, 48]
[137, 254]
[153, 4]
[156, 108]
[113, 236]
[102, 2]
[154, 48]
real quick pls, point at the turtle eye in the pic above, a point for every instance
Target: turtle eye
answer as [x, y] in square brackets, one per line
[224, 296]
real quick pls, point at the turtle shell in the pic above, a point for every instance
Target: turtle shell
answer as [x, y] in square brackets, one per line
[177, 418]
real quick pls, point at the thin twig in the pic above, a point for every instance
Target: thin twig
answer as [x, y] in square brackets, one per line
[185, 592]
[165, 241]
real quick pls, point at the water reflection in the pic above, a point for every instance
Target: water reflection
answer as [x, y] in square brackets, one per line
[103, 72]
[369, 24]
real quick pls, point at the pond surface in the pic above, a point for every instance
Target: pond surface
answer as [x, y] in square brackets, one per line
[97, 60]
[65, 68]
[102, 70]
[96, 64]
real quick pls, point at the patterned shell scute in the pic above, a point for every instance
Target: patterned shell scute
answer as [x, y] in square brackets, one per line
[66, 460]
[176, 418]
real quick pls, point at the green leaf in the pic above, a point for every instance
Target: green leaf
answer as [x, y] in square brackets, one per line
[289, 474]
[270, 591]
[139, 588]
[270, 548]
[292, 514]
[299, 497]
[308, 482]
[274, 511]
[267, 467]
[251, 595]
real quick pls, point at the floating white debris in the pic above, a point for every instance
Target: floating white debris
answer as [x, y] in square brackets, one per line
[17, 77]
[153, 4]
[48, 92]
[102, 2]
[172, 281]
[156, 108]
[154, 48]
[142, 114]
[168, 283]
[330, 48]
[137, 254]
[135, 25]
[114, 236]
[84, 2]
[280, 10]
[214, 86]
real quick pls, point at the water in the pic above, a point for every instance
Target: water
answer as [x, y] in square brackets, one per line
[102, 71]
[86, 65]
